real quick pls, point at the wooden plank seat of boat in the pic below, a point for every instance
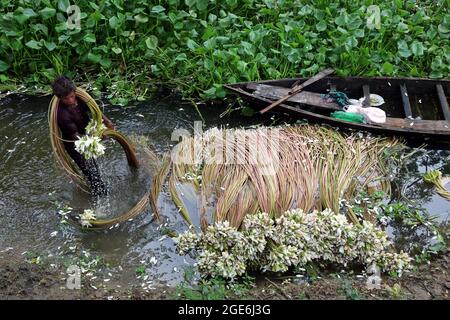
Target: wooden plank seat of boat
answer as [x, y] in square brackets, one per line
[443, 102]
[305, 97]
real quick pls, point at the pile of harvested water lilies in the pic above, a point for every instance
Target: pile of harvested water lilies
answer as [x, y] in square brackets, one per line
[293, 240]
[272, 178]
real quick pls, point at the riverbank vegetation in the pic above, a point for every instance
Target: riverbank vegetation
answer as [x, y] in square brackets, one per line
[128, 49]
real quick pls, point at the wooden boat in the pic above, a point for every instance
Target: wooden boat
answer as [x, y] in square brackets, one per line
[415, 108]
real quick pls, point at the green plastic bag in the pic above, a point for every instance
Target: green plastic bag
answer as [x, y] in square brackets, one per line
[348, 116]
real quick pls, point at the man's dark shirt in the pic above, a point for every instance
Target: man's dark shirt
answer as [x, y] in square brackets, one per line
[72, 122]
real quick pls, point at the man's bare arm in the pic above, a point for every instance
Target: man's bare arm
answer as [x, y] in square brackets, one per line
[108, 123]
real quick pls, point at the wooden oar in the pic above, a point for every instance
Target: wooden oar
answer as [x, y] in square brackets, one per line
[297, 89]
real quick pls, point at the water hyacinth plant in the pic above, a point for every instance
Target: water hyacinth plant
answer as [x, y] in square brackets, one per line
[435, 177]
[130, 47]
[292, 240]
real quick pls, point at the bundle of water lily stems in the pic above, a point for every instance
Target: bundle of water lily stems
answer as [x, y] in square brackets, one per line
[64, 160]
[235, 172]
[439, 182]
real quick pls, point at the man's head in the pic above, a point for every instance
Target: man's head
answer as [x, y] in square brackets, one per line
[64, 89]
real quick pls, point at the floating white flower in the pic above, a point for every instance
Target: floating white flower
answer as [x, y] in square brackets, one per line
[86, 217]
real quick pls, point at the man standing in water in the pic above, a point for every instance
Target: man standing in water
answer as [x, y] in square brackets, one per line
[73, 117]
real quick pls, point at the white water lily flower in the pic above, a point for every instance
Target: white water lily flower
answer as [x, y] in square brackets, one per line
[292, 240]
[90, 147]
[86, 217]
[94, 129]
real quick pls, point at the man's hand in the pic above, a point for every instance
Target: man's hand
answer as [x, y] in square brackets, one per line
[109, 124]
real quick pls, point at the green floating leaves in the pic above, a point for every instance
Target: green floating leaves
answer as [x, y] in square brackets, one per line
[151, 42]
[321, 26]
[403, 49]
[3, 66]
[50, 45]
[89, 38]
[63, 5]
[158, 9]
[33, 44]
[212, 42]
[417, 48]
[94, 58]
[114, 22]
[140, 18]
[388, 68]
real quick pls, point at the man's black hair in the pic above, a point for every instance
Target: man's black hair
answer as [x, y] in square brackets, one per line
[63, 86]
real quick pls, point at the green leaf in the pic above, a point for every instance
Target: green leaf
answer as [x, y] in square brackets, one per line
[152, 42]
[210, 43]
[208, 64]
[114, 22]
[191, 44]
[3, 66]
[210, 92]
[47, 13]
[40, 27]
[403, 49]
[342, 20]
[359, 33]
[50, 45]
[90, 37]
[95, 58]
[443, 29]
[436, 75]
[61, 27]
[21, 18]
[63, 5]
[94, 6]
[140, 18]
[388, 68]
[232, 3]
[181, 57]
[116, 50]
[33, 44]
[202, 5]
[350, 43]
[105, 63]
[417, 48]
[158, 9]
[29, 13]
[402, 27]
[321, 26]
[217, 91]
